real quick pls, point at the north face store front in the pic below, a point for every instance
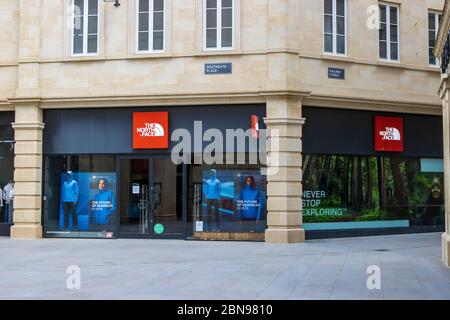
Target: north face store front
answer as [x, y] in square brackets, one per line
[154, 173]
[379, 173]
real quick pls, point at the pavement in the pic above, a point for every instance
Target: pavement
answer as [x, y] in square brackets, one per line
[410, 268]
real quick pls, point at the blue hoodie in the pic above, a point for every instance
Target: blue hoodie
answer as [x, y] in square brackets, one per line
[250, 203]
[70, 191]
[103, 206]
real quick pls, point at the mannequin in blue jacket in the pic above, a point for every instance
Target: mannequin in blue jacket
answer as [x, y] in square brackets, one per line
[104, 204]
[212, 194]
[250, 201]
[70, 193]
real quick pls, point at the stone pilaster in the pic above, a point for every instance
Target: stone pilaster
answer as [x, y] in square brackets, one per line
[446, 139]
[284, 189]
[28, 129]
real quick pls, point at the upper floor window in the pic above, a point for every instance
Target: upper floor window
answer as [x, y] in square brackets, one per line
[150, 33]
[335, 26]
[389, 38]
[433, 27]
[218, 24]
[85, 27]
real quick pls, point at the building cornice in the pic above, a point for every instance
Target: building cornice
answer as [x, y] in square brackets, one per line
[258, 97]
[372, 104]
[353, 61]
[443, 30]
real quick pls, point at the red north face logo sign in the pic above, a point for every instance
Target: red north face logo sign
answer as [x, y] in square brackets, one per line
[150, 130]
[389, 134]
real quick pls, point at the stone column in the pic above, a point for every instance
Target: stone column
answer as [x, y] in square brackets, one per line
[446, 128]
[284, 189]
[28, 129]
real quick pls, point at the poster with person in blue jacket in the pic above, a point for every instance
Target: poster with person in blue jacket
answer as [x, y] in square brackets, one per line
[251, 202]
[104, 204]
[233, 201]
[95, 204]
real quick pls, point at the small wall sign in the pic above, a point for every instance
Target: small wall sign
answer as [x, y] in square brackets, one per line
[218, 68]
[336, 73]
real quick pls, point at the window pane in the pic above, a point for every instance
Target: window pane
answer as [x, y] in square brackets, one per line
[143, 22]
[78, 25]
[211, 38]
[341, 44]
[211, 18]
[79, 7]
[393, 11]
[94, 213]
[340, 6]
[340, 26]
[382, 32]
[328, 24]
[92, 24]
[383, 50]
[227, 38]
[431, 21]
[92, 43]
[328, 43]
[227, 3]
[211, 3]
[143, 41]
[93, 7]
[394, 51]
[383, 13]
[329, 6]
[143, 5]
[394, 37]
[431, 38]
[432, 57]
[78, 44]
[158, 21]
[78, 35]
[227, 18]
[158, 41]
[158, 5]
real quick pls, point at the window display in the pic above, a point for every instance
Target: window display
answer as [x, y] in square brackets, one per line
[348, 192]
[230, 200]
[80, 203]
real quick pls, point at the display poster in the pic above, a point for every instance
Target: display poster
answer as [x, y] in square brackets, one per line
[233, 201]
[88, 202]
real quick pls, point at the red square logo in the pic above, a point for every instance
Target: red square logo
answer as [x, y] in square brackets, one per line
[150, 130]
[389, 134]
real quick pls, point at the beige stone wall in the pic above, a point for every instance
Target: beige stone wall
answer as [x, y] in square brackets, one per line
[266, 31]
[410, 80]
[9, 19]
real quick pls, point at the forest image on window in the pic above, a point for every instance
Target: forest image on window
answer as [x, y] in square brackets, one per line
[360, 188]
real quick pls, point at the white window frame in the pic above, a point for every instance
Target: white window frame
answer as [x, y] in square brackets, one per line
[334, 33]
[437, 15]
[219, 27]
[388, 32]
[85, 29]
[150, 27]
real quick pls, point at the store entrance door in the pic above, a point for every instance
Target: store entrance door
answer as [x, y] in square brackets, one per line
[151, 199]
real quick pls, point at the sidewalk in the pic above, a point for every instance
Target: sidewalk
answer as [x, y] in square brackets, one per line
[155, 269]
